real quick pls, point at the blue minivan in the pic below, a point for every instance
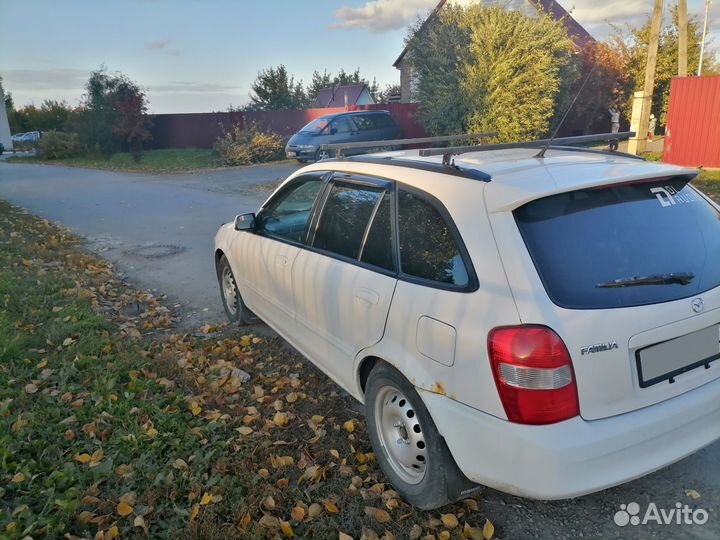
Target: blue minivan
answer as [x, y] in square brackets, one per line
[341, 127]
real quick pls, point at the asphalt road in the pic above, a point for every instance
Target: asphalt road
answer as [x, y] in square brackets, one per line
[119, 213]
[126, 217]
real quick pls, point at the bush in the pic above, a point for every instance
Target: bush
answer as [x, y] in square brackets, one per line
[58, 145]
[245, 146]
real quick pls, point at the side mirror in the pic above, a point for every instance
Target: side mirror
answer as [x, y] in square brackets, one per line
[245, 222]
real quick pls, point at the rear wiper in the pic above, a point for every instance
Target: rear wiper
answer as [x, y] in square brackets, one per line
[682, 278]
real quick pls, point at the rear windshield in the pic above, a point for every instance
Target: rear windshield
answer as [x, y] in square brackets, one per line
[585, 238]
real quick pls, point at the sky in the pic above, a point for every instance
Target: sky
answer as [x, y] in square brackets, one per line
[203, 55]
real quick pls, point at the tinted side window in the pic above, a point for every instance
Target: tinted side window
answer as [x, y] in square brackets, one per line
[378, 249]
[384, 121]
[341, 125]
[344, 219]
[287, 215]
[365, 122]
[427, 247]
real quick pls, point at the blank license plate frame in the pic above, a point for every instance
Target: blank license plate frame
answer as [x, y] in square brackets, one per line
[668, 359]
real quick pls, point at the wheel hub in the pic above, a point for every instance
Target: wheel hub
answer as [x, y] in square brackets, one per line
[229, 290]
[401, 434]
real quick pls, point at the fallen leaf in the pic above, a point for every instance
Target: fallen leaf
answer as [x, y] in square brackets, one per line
[280, 419]
[286, 529]
[83, 458]
[314, 510]
[245, 430]
[269, 522]
[124, 509]
[180, 464]
[152, 433]
[140, 522]
[206, 499]
[349, 426]
[85, 516]
[472, 532]
[195, 409]
[297, 513]
[488, 530]
[449, 520]
[692, 494]
[331, 507]
[194, 511]
[30, 388]
[269, 503]
[18, 478]
[344, 536]
[96, 458]
[68, 341]
[415, 532]
[317, 419]
[378, 514]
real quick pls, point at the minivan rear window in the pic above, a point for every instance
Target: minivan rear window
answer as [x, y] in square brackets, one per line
[583, 240]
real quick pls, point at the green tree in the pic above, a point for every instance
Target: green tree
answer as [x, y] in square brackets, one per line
[631, 44]
[438, 58]
[274, 89]
[520, 68]
[113, 116]
[488, 69]
[318, 82]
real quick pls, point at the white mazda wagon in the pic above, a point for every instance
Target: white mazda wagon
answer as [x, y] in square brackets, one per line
[545, 325]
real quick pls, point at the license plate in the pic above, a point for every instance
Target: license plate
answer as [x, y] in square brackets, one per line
[291, 154]
[669, 359]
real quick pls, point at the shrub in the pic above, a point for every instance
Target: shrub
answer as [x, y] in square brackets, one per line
[245, 146]
[58, 145]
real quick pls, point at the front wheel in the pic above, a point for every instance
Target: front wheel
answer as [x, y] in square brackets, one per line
[322, 154]
[410, 450]
[235, 308]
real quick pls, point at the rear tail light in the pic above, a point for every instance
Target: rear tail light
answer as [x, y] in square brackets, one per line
[533, 373]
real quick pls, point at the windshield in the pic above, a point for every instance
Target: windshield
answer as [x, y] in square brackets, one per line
[653, 231]
[317, 125]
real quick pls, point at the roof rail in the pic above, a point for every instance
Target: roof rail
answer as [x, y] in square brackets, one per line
[448, 153]
[341, 147]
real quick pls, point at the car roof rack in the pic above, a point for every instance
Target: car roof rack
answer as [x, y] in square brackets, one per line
[341, 147]
[449, 152]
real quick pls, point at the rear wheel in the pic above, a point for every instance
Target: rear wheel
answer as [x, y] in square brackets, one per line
[322, 154]
[410, 450]
[235, 308]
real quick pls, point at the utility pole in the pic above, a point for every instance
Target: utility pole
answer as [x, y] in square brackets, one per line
[702, 43]
[643, 101]
[682, 38]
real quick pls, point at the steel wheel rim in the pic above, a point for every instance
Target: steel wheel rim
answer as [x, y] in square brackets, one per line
[323, 154]
[401, 435]
[229, 291]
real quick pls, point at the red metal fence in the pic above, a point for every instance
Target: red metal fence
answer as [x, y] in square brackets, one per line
[199, 130]
[692, 135]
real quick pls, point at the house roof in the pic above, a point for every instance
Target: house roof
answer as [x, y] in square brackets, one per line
[575, 30]
[335, 96]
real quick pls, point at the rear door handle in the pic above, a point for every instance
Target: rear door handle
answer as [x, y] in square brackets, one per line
[367, 295]
[281, 260]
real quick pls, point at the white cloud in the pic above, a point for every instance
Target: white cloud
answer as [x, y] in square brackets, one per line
[382, 15]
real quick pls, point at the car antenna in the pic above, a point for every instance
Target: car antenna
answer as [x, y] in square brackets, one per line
[541, 153]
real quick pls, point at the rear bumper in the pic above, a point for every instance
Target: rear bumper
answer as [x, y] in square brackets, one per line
[575, 457]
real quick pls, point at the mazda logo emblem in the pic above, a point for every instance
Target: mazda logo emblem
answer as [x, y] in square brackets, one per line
[698, 305]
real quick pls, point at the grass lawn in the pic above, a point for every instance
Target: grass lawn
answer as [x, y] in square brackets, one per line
[153, 161]
[112, 425]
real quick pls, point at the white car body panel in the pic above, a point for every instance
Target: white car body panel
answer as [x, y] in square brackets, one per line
[339, 314]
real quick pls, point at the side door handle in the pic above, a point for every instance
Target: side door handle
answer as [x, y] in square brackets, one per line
[281, 260]
[367, 295]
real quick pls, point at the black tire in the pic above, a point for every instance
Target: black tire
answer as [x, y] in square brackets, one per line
[322, 154]
[236, 311]
[441, 481]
